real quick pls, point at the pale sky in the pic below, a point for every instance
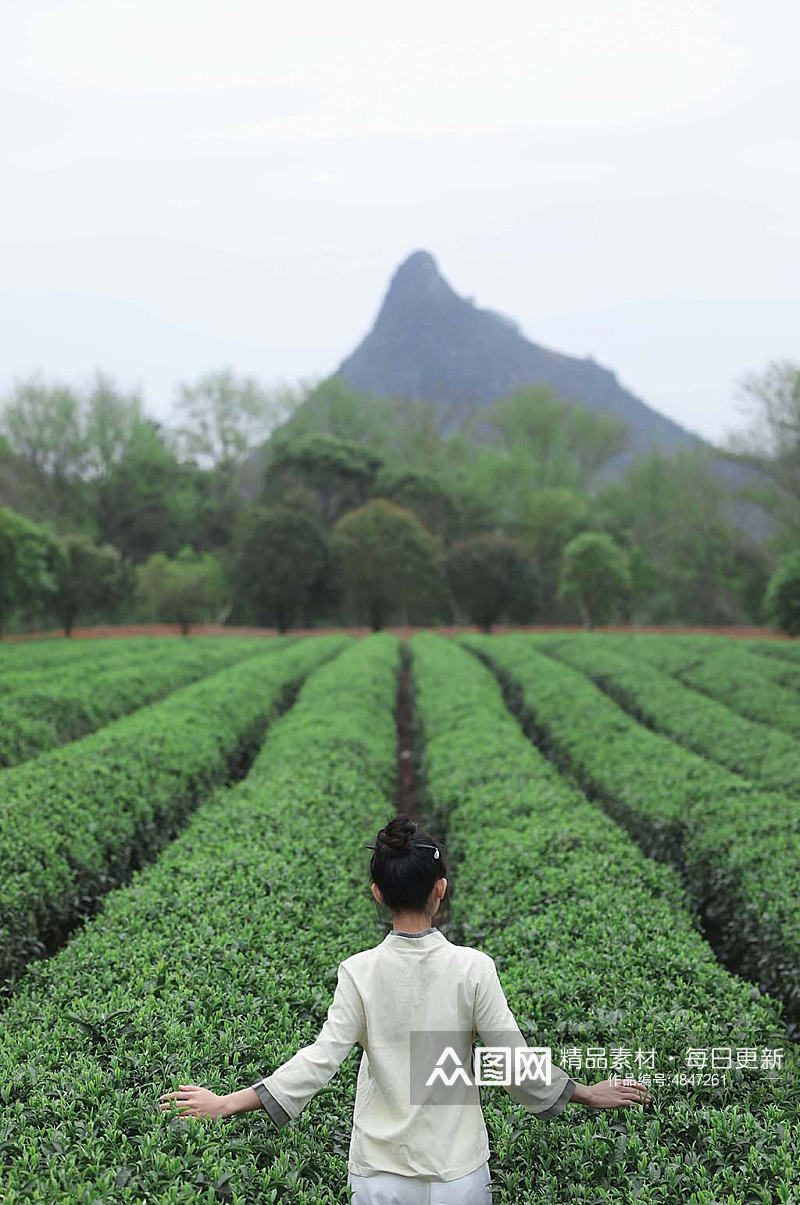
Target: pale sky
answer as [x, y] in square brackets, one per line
[190, 185]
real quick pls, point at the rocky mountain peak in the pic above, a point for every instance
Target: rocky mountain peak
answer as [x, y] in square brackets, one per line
[428, 343]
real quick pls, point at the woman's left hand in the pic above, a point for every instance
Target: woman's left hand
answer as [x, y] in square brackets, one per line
[191, 1101]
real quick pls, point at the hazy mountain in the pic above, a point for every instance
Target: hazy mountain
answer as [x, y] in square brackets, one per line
[428, 343]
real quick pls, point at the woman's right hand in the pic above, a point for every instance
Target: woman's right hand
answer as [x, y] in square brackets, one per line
[612, 1094]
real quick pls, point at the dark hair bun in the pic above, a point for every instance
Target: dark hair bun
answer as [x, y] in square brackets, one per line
[398, 836]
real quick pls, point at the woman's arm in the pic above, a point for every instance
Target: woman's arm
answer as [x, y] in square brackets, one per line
[609, 1095]
[194, 1101]
[287, 1090]
[497, 1025]
[240, 1102]
[291, 1086]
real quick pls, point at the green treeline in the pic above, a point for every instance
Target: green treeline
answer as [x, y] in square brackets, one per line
[319, 506]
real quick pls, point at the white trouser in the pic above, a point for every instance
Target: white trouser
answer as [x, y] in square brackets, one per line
[385, 1188]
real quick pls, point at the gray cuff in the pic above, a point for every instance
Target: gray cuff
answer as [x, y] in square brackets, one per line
[560, 1104]
[276, 1111]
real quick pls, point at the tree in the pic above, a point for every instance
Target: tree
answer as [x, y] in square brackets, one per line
[332, 407]
[490, 576]
[523, 465]
[705, 567]
[228, 416]
[89, 577]
[42, 424]
[66, 444]
[29, 555]
[548, 519]
[386, 560]
[596, 574]
[282, 554]
[111, 421]
[420, 492]
[771, 441]
[337, 471]
[149, 500]
[782, 597]
[644, 582]
[552, 441]
[185, 589]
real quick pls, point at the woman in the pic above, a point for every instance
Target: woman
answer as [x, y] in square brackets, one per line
[414, 1004]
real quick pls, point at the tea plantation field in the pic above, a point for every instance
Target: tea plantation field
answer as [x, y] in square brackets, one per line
[182, 868]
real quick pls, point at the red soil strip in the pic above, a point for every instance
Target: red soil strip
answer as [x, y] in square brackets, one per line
[167, 629]
[406, 795]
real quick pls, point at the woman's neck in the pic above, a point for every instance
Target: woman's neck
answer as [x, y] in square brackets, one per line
[411, 922]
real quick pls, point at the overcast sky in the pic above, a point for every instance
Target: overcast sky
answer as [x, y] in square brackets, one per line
[189, 185]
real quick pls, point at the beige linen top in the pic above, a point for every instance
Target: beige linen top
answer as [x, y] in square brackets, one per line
[411, 982]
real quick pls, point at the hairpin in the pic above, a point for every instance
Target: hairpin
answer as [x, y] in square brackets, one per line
[416, 845]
